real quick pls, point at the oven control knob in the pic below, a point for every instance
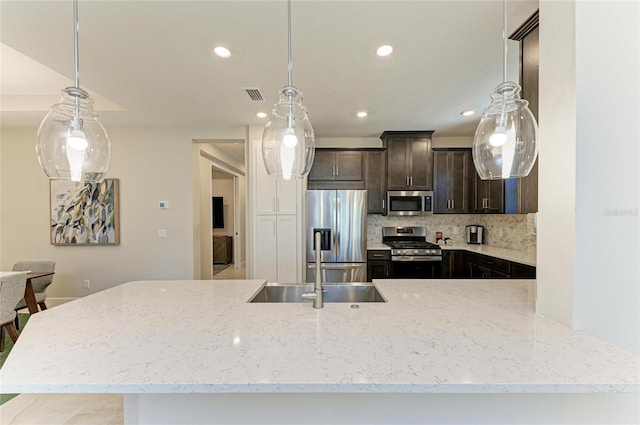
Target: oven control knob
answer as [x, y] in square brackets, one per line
[415, 251]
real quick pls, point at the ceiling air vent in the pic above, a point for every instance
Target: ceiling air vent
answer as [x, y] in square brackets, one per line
[254, 94]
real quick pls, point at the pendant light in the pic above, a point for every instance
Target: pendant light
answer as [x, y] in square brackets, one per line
[505, 144]
[288, 142]
[72, 144]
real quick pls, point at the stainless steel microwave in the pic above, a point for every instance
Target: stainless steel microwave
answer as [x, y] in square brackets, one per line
[406, 202]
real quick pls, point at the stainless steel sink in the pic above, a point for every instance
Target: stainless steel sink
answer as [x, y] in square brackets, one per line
[350, 293]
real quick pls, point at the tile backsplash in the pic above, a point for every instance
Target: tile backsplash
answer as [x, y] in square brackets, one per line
[512, 231]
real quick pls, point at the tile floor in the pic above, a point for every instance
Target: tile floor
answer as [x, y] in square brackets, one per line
[231, 273]
[76, 409]
[63, 409]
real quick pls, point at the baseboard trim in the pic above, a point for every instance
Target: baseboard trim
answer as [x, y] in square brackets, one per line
[56, 301]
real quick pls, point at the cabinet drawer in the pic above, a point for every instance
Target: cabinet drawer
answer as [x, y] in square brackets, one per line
[522, 271]
[497, 264]
[379, 255]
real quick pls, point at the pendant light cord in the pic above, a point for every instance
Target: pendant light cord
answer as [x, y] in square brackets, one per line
[75, 42]
[290, 67]
[504, 41]
[76, 119]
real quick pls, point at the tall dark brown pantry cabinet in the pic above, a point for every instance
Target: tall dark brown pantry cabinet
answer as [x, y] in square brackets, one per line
[527, 35]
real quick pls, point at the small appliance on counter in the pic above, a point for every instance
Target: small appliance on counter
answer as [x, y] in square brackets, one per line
[475, 234]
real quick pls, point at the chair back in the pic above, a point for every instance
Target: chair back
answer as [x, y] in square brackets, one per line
[12, 287]
[40, 266]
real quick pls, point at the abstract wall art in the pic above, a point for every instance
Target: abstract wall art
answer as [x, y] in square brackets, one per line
[84, 213]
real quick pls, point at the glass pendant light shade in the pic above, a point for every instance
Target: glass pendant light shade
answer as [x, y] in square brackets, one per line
[505, 143]
[288, 142]
[72, 144]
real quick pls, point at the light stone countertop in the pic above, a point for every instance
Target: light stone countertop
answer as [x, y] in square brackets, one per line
[378, 246]
[432, 336]
[522, 257]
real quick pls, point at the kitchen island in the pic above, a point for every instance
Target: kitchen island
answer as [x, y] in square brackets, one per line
[197, 352]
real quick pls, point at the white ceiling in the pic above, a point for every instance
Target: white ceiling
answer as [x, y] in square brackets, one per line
[151, 65]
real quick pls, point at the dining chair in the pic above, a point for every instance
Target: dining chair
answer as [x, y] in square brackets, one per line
[11, 290]
[39, 284]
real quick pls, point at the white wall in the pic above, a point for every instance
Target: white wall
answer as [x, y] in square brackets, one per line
[152, 165]
[588, 273]
[556, 162]
[607, 282]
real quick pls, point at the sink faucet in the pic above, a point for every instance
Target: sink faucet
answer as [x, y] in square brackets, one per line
[316, 295]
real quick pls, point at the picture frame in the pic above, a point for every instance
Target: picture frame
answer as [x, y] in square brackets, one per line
[84, 214]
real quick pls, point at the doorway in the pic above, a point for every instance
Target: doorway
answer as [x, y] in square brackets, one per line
[220, 235]
[223, 206]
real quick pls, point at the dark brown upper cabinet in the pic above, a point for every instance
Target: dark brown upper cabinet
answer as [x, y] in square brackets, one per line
[340, 168]
[409, 160]
[374, 171]
[489, 196]
[331, 165]
[453, 173]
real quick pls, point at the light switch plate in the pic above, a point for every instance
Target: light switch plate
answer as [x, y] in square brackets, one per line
[163, 204]
[162, 233]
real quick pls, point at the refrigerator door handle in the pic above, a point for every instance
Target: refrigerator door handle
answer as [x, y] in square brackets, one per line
[338, 208]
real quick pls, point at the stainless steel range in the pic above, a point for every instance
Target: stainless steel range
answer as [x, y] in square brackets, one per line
[412, 257]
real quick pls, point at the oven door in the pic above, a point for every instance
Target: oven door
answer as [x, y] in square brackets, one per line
[413, 268]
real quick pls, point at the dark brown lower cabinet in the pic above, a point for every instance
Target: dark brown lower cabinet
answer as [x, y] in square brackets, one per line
[522, 271]
[454, 264]
[378, 264]
[485, 267]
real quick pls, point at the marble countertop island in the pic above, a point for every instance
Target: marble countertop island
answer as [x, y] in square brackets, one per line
[432, 336]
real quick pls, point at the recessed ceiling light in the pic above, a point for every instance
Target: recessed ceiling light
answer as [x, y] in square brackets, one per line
[467, 113]
[384, 50]
[222, 52]
[362, 114]
[261, 115]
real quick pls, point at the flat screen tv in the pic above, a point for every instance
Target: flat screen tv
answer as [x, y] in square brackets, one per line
[217, 209]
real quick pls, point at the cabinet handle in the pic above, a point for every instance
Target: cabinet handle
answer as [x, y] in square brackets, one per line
[337, 171]
[410, 180]
[378, 255]
[406, 181]
[383, 205]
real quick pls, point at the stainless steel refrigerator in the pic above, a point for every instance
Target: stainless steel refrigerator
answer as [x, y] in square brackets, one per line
[344, 214]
